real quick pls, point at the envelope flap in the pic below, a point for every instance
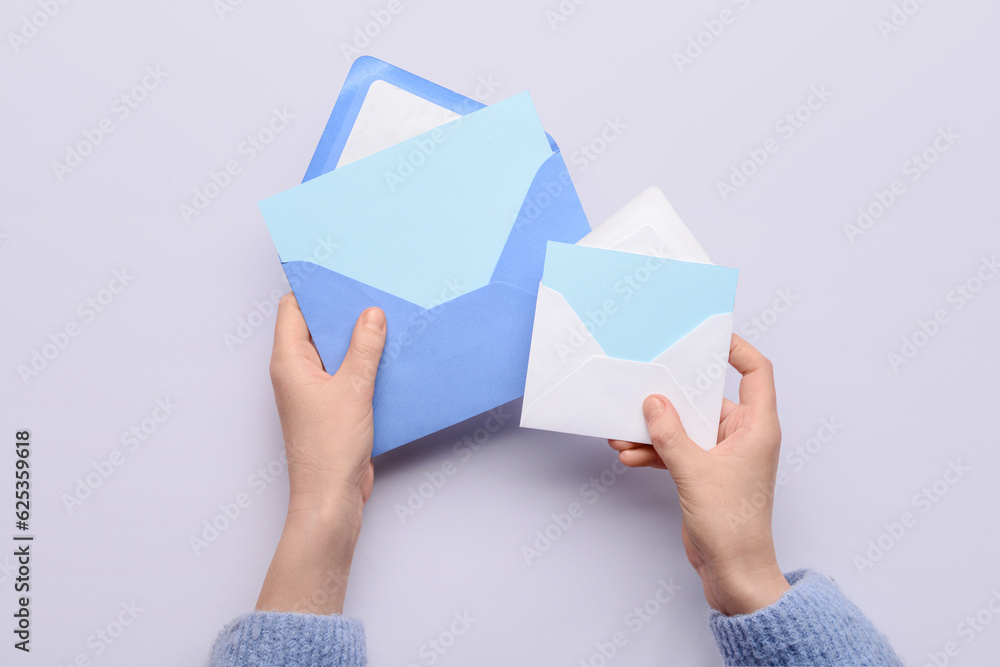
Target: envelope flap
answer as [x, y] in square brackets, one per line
[551, 211]
[698, 363]
[331, 304]
[455, 361]
[603, 398]
[637, 306]
[560, 343]
[440, 366]
[648, 225]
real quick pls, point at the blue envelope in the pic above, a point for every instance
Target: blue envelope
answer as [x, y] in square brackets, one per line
[445, 230]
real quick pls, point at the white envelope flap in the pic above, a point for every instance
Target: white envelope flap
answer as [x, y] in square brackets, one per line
[560, 343]
[698, 363]
[568, 368]
[648, 225]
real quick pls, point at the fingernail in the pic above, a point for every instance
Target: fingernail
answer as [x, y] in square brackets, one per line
[374, 319]
[652, 406]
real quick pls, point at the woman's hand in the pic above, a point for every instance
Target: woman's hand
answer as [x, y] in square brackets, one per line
[726, 494]
[326, 421]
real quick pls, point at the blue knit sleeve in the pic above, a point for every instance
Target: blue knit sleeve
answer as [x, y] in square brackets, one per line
[277, 639]
[812, 624]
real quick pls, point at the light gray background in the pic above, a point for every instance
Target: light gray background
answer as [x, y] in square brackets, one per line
[164, 335]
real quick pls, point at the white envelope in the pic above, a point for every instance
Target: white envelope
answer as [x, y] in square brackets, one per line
[590, 393]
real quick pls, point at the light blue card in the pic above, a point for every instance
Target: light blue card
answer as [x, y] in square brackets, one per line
[424, 220]
[636, 307]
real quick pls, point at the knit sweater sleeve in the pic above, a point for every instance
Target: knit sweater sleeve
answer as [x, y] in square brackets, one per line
[812, 624]
[277, 639]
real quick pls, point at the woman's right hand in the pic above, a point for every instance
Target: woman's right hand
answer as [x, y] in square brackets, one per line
[726, 494]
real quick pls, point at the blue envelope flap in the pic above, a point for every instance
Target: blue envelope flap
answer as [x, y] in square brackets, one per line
[551, 211]
[469, 354]
[331, 304]
[636, 307]
[440, 366]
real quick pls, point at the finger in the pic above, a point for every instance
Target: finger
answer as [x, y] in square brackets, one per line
[670, 440]
[624, 445]
[363, 355]
[643, 456]
[727, 409]
[291, 335]
[757, 383]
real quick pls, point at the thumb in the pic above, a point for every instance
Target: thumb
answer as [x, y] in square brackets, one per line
[670, 440]
[361, 361]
